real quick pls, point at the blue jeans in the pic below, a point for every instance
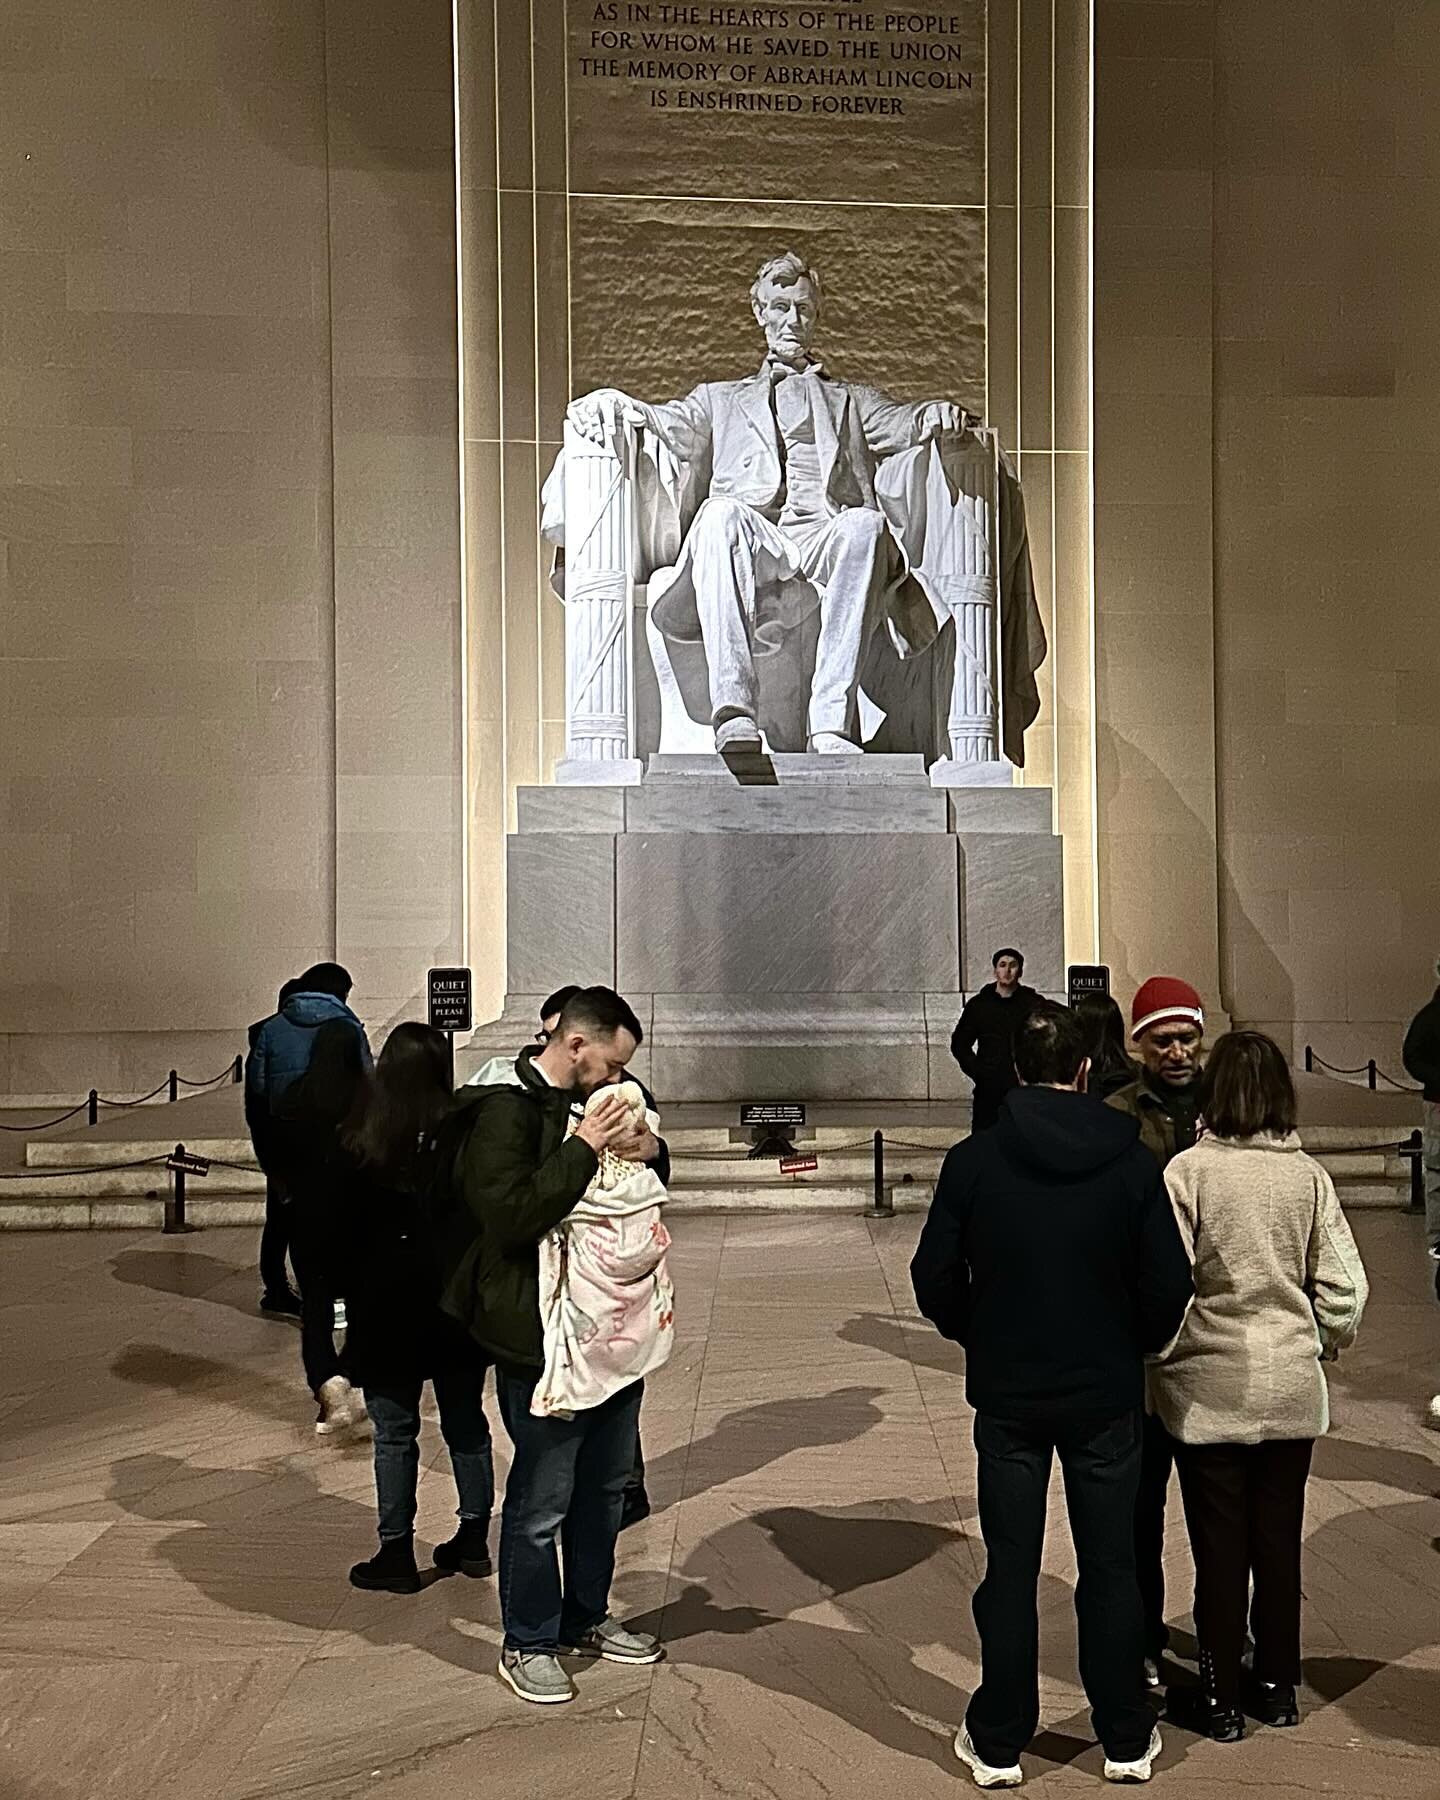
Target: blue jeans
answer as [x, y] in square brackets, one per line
[567, 1482]
[395, 1412]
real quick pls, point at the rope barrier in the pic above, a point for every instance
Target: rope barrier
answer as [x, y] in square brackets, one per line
[1371, 1070]
[49, 1124]
[124, 1105]
[174, 1081]
[47, 1174]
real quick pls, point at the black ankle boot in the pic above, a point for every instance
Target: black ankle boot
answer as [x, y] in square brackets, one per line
[1222, 1719]
[1275, 1703]
[468, 1551]
[635, 1508]
[391, 1570]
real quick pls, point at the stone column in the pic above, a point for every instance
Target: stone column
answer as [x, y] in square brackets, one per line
[967, 581]
[599, 648]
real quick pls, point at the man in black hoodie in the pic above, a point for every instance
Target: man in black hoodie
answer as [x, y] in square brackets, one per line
[982, 1041]
[1051, 1253]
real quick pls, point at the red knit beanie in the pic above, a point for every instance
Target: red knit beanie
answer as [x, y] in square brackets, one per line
[1165, 997]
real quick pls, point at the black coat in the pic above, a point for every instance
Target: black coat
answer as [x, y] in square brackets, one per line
[983, 1041]
[1422, 1048]
[396, 1332]
[1052, 1254]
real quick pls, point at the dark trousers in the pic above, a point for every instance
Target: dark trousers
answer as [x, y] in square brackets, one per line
[1245, 1510]
[1157, 1459]
[275, 1237]
[635, 1480]
[563, 1500]
[317, 1309]
[985, 1105]
[1100, 1462]
[394, 1408]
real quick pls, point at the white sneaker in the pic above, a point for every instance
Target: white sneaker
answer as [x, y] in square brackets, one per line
[1142, 1768]
[341, 1408]
[983, 1774]
[1432, 1414]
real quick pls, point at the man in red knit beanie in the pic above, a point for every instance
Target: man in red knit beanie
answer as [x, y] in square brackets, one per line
[1167, 1025]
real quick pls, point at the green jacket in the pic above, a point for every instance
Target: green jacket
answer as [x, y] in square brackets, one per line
[1157, 1128]
[514, 1176]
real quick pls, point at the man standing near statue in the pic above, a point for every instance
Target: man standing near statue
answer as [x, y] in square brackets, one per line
[1168, 1028]
[791, 522]
[983, 1041]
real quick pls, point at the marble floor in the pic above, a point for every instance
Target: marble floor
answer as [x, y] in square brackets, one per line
[175, 1622]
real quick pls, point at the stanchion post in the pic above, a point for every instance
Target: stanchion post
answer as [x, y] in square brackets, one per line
[174, 1079]
[175, 1200]
[1414, 1148]
[1309, 1059]
[884, 1202]
[92, 1107]
[237, 1074]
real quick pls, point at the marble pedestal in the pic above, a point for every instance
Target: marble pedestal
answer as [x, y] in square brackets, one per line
[786, 927]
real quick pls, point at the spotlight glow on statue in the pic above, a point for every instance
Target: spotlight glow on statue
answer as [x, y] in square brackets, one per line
[792, 493]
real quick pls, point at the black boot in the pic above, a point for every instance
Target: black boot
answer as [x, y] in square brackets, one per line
[468, 1551]
[391, 1570]
[283, 1301]
[1274, 1703]
[636, 1507]
[1222, 1718]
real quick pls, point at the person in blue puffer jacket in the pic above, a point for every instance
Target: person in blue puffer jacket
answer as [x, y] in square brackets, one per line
[283, 1053]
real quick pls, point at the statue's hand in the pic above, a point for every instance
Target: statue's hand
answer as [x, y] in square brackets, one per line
[939, 418]
[598, 416]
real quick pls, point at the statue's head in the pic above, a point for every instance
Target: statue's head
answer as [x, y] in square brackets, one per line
[786, 298]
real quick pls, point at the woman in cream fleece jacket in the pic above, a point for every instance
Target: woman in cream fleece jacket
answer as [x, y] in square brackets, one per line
[1279, 1287]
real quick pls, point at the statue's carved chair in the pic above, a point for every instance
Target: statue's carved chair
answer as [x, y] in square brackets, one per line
[620, 510]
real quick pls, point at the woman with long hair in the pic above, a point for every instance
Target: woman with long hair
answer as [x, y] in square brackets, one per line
[308, 1119]
[1111, 1067]
[398, 1337]
[1279, 1288]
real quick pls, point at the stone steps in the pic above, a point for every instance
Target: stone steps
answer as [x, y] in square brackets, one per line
[72, 1183]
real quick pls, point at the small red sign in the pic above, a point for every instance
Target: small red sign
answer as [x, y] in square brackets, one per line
[798, 1165]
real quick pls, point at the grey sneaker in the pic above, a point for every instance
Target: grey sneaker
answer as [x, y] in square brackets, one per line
[536, 1676]
[612, 1642]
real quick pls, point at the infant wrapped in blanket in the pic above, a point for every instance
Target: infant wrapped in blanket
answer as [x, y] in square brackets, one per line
[607, 1306]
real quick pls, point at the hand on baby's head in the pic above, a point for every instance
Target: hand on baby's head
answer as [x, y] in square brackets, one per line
[628, 1091]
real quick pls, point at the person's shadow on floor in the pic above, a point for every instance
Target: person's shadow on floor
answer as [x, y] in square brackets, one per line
[902, 1575]
[182, 1372]
[248, 1538]
[1374, 1575]
[912, 1340]
[185, 1273]
[752, 1437]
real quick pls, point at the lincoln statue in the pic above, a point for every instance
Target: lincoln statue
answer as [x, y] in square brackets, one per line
[789, 523]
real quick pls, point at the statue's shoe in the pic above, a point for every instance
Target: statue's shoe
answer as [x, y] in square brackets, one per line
[832, 743]
[738, 736]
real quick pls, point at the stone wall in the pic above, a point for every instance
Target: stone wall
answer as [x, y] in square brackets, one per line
[1267, 249]
[227, 468]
